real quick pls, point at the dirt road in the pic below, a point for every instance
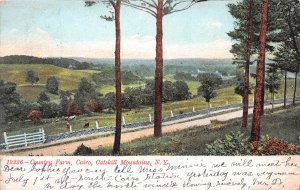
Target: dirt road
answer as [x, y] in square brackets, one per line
[126, 137]
[69, 148]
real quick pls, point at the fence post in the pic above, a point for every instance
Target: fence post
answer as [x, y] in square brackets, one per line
[25, 139]
[43, 135]
[150, 119]
[172, 115]
[71, 129]
[5, 140]
[97, 125]
[124, 122]
[193, 109]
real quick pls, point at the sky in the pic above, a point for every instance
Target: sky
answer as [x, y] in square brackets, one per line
[66, 28]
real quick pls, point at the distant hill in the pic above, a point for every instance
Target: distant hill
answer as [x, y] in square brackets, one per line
[60, 62]
[89, 63]
[176, 62]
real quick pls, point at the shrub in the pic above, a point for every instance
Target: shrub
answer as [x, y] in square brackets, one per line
[237, 144]
[34, 116]
[93, 106]
[274, 146]
[73, 109]
[83, 150]
[234, 144]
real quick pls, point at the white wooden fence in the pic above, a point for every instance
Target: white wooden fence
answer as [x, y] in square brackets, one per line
[24, 139]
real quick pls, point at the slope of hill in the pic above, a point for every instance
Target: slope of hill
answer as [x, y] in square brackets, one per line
[68, 79]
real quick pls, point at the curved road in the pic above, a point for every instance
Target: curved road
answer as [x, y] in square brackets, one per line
[69, 148]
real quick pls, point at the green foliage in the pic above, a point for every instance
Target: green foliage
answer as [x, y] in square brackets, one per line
[49, 109]
[209, 83]
[32, 77]
[52, 85]
[239, 88]
[273, 78]
[149, 93]
[43, 97]
[132, 98]
[181, 91]
[129, 77]
[26, 108]
[64, 103]
[234, 144]
[176, 91]
[110, 101]
[86, 92]
[9, 102]
[83, 150]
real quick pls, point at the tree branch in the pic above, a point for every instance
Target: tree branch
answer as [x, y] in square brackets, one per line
[140, 7]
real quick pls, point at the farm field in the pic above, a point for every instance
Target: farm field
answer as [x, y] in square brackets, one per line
[69, 80]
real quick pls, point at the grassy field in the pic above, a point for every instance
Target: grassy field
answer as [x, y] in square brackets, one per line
[110, 88]
[283, 124]
[224, 95]
[69, 79]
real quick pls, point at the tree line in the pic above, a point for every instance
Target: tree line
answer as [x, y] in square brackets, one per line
[60, 62]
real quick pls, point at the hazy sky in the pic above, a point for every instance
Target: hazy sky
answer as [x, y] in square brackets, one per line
[64, 28]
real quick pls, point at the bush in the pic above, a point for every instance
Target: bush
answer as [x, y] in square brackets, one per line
[234, 144]
[83, 150]
[274, 146]
[35, 116]
[237, 144]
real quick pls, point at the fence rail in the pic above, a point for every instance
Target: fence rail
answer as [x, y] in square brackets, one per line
[24, 139]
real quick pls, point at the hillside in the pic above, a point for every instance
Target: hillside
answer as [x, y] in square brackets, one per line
[61, 62]
[68, 79]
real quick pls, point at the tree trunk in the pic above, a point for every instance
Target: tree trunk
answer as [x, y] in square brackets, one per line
[117, 142]
[273, 97]
[262, 102]
[255, 131]
[246, 77]
[284, 92]
[295, 88]
[158, 70]
[208, 107]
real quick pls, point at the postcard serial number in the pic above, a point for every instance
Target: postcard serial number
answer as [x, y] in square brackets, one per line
[14, 162]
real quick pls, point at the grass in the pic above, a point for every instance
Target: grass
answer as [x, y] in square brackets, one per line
[283, 124]
[51, 127]
[110, 88]
[69, 79]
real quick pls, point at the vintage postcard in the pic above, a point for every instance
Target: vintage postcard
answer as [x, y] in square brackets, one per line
[149, 94]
